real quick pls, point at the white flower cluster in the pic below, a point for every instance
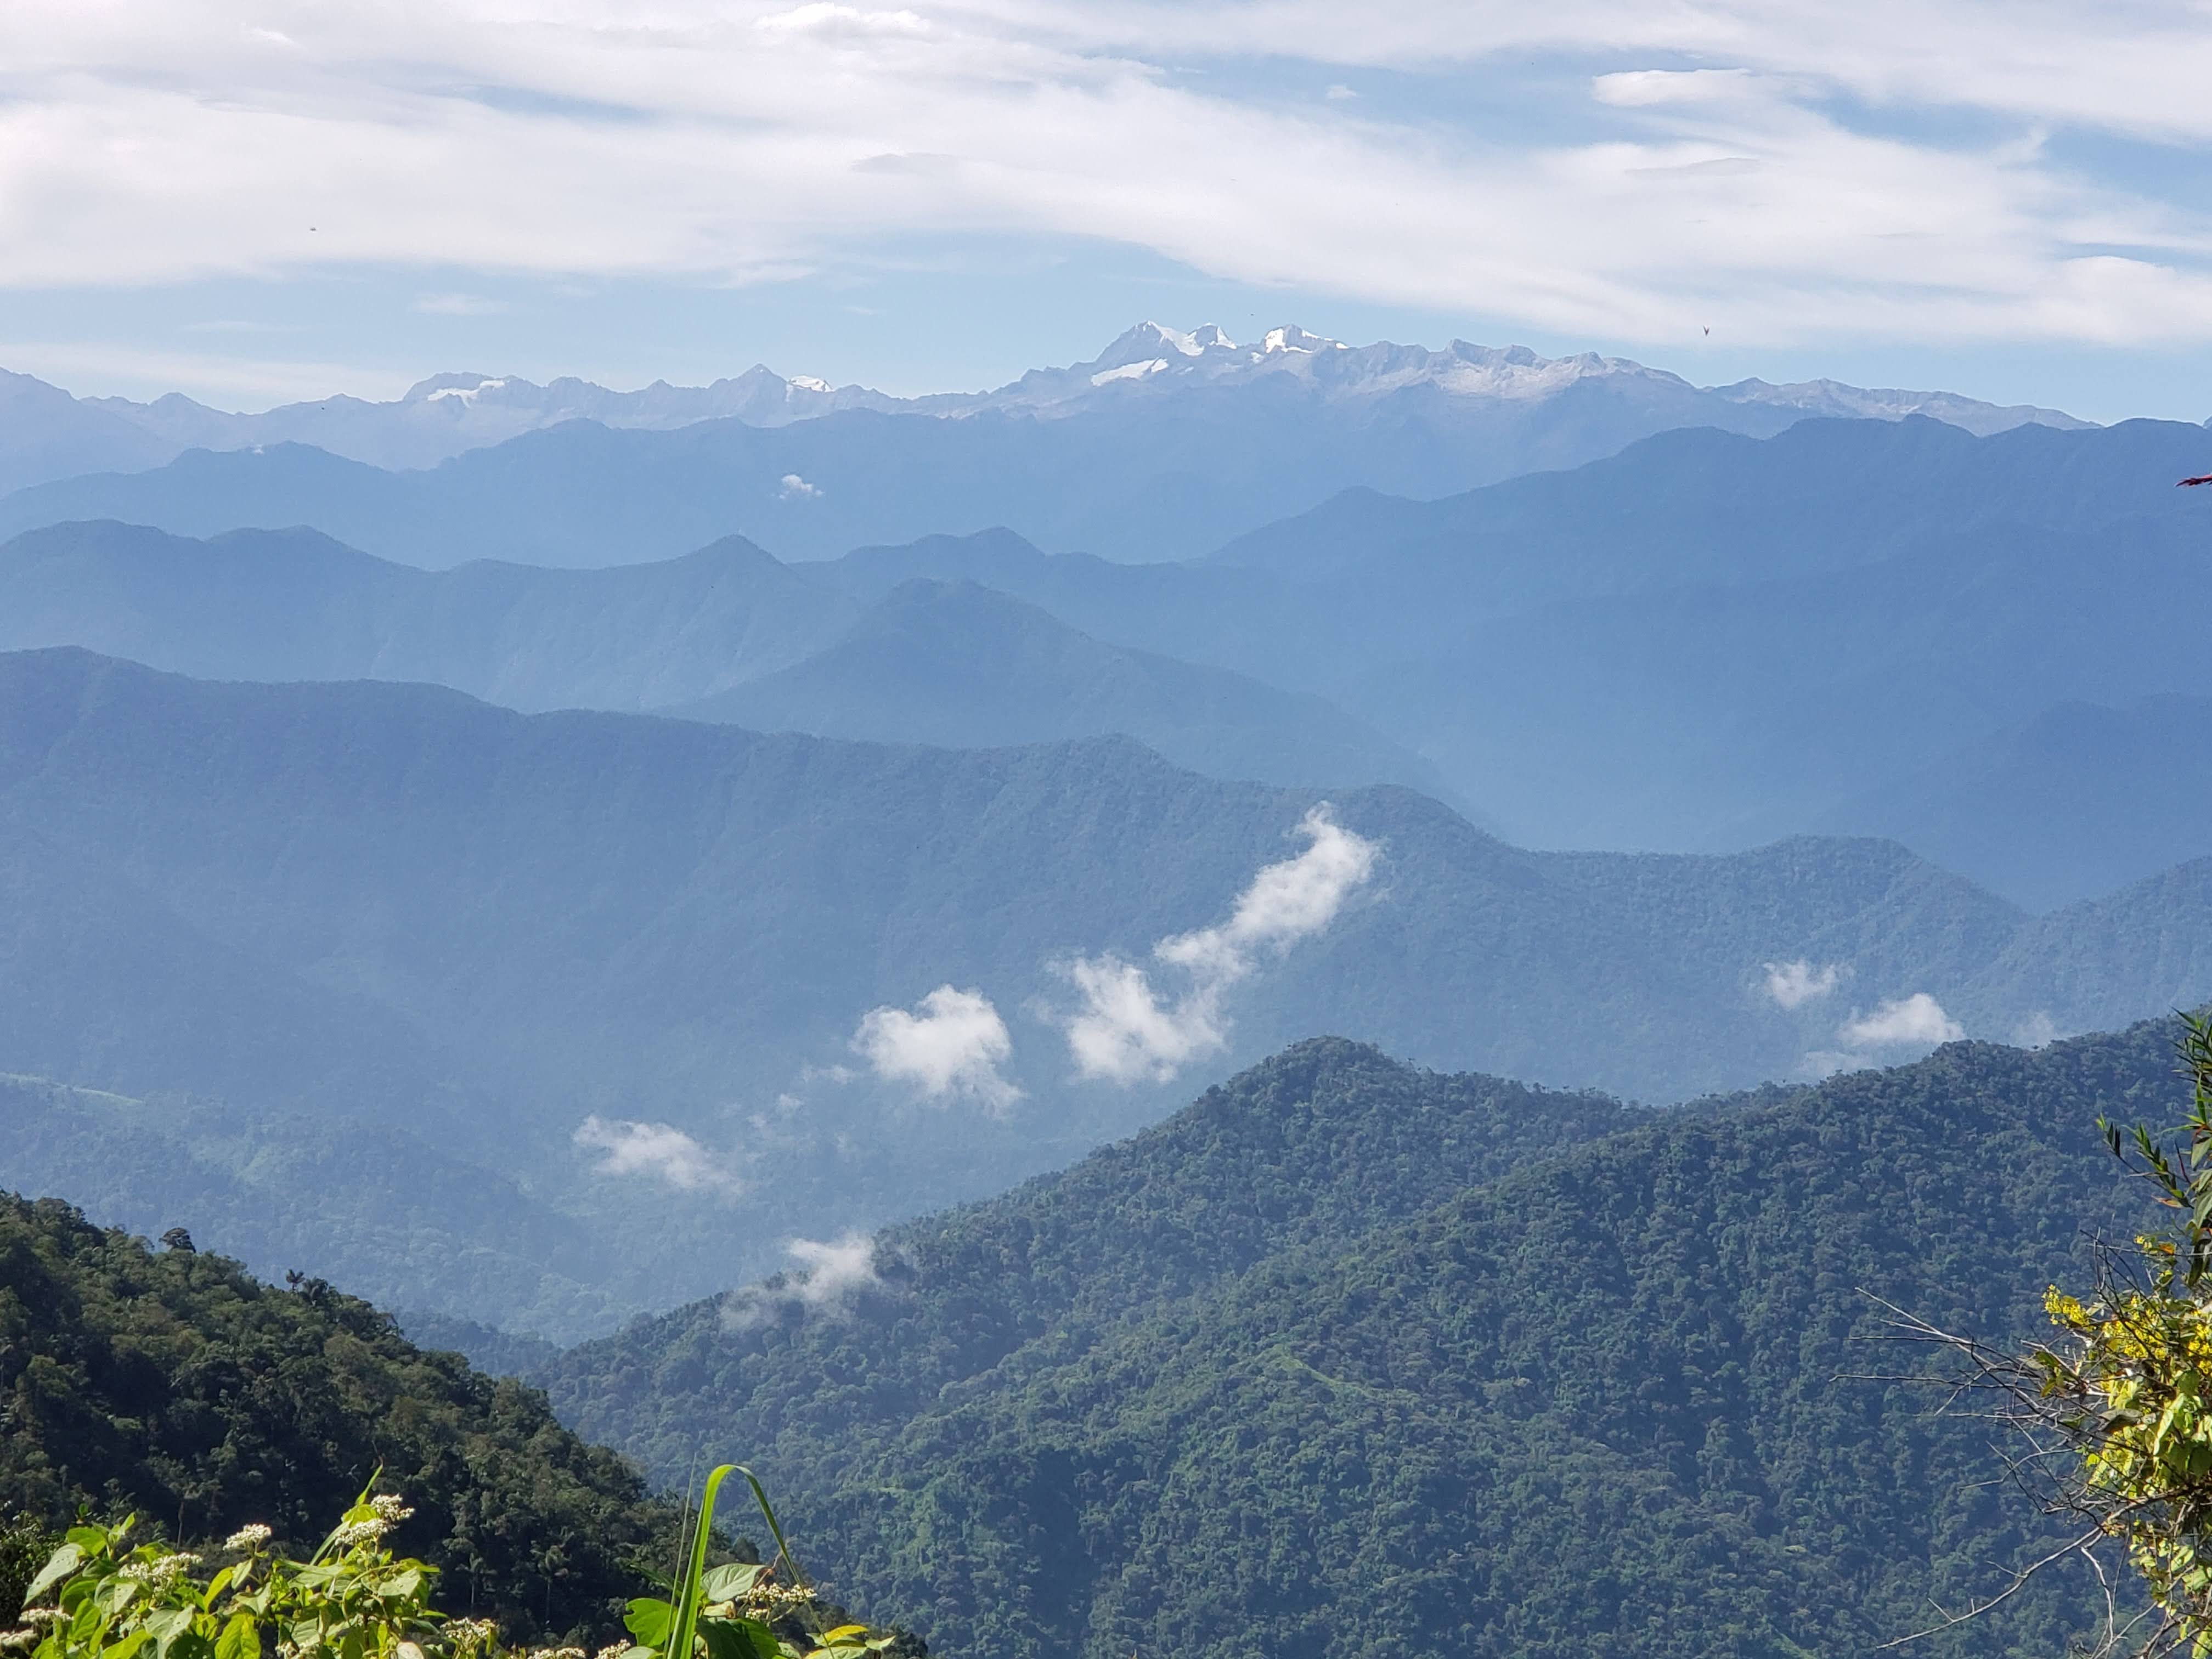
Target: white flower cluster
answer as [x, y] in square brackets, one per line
[159, 1571]
[251, 1537]
[19, 1638]
[391, 1508]
[612, 1650]
[470, 1633]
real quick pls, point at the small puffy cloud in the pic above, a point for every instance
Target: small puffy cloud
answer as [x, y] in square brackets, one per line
[1124, 1033]
[657, 1151]
[1125, 1030]
[792, 487]
[1793, 984]
[952, 1043]
[2038, 1031]
[1916, 1021]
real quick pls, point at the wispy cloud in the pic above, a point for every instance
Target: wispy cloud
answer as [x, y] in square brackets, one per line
[1793, 984]
[1125, 1031]
[1909, 179]
[657, 1152]
[953, 1043]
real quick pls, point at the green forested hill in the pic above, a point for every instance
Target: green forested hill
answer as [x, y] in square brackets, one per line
[171, 1384]
[1612, 1401]
[1311, 1149]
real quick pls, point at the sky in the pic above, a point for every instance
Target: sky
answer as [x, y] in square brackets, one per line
[253, 201]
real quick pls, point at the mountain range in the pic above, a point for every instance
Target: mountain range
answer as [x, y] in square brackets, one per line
[1702, 643]
[487, 931]
[1164, 445]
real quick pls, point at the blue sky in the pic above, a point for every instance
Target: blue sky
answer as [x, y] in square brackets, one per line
[253, 201]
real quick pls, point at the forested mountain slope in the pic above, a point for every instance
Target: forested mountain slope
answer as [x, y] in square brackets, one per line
[1617, 1400]
[171, 1384]
[1314, 1147]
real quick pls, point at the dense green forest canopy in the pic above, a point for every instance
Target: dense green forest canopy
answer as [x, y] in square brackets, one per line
[1586, 1397]
[171, 1383]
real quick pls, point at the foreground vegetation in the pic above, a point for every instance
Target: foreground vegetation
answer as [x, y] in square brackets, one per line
[174, 1384]
[114, 1596]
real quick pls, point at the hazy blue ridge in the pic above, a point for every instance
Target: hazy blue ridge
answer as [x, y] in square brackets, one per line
[955, 665]
[319, 900]
[2073, 803]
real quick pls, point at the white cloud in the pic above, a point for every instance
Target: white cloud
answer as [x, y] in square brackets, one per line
[823, 18]
[657, 1151]
[1125, 1031]
[712, 139]
[793, 488]
[1916, 1021]
[832, 1272]
[954, 1043]
[830, 1275]
[1793, 984]
[2038, 1031]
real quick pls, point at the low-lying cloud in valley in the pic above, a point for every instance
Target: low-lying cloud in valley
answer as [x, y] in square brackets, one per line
[657, 1151]
[1126, 1031]
[1793, 984]
[952, 1045]
[829, 1275]
[1915, 1022]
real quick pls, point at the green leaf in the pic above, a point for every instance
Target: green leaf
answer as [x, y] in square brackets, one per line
[240, 1639]
[739, 1638]
[726, 1584]
[648, 1620]
[59, 1566]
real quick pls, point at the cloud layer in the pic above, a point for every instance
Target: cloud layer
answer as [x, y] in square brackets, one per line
[1127, 1030]
[1879, 170]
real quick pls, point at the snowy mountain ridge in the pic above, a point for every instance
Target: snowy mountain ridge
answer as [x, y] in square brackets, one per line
[46, 434]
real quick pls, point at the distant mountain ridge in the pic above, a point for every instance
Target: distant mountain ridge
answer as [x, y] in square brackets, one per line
[726, 634]
[1430, 421]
